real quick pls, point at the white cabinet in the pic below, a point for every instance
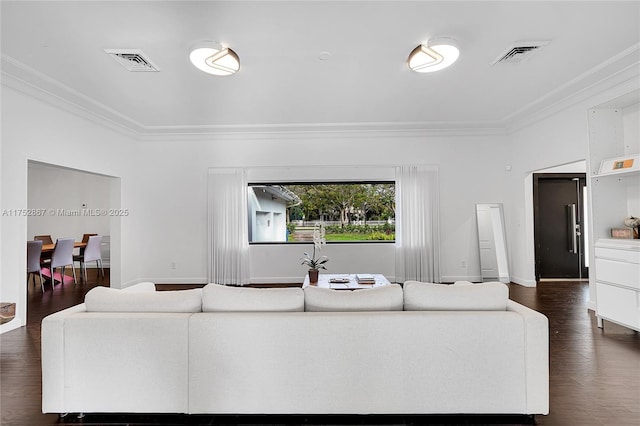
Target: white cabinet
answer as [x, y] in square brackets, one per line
[617, 280]
[614, 275]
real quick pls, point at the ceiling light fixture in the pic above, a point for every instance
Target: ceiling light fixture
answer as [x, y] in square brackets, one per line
[434, 55]
[213, 58]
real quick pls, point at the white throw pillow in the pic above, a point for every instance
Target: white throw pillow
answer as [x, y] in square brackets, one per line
[383, 298]
[489, 296]
[104, 299]
[222, 298]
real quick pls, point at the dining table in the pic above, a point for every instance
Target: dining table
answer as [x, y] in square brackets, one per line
[46, 248]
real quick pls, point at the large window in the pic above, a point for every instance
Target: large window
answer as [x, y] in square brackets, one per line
[351, 211]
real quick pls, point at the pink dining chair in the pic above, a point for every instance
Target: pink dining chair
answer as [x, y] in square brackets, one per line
[62, 257]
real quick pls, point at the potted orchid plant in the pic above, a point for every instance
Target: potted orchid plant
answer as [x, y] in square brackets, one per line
[316, 263]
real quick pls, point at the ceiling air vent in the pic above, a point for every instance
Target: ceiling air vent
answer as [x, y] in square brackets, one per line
[520, 51]
[132, 60]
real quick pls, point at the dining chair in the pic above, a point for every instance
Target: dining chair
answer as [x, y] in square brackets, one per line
[46, 239]
[92, 252]
[34, 250]
[62, 257]
[85, 237]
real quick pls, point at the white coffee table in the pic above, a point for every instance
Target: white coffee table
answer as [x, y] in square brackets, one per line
[324, 281]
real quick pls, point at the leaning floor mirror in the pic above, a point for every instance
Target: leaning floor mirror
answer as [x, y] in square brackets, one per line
[494, 264]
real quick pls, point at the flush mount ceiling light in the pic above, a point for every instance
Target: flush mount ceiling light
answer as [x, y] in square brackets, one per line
[434, 55]
[213, 58]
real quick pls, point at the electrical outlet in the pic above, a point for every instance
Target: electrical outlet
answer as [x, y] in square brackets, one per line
[463, 263]
[173, 265]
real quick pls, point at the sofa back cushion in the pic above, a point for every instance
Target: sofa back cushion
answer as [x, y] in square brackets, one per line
[489, 296]
[383, 298]
[140, 287]
[222, 298]
[104, 299]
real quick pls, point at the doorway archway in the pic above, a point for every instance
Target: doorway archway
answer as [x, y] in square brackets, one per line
[73, 202]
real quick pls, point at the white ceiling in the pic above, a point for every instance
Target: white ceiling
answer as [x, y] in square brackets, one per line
[282, 84]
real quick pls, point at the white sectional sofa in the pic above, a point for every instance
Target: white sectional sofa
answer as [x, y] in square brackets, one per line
[417, 349]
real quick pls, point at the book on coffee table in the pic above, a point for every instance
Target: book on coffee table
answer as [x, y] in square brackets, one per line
[365, 279]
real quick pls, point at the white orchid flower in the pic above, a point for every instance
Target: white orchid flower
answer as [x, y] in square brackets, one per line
[319, 233]
[319, 241]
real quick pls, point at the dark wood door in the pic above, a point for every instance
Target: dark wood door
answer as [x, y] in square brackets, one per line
[559, 225]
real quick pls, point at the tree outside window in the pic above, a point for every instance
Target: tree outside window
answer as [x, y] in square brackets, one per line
[351, 211]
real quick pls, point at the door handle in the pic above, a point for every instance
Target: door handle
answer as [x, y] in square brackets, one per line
[572, 228]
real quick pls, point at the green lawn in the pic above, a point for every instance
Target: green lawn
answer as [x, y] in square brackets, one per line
[343, 237]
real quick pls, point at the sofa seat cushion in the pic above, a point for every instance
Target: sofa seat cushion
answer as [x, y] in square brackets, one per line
[489, 296]
[222, 298]
[104, 299]
[383, 298]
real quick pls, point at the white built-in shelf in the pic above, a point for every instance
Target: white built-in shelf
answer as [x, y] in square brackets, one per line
[620, 173]
[626, 165]
[614, 170]
[619, 243]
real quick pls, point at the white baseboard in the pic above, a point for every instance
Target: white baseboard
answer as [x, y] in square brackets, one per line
[125, 285]
[163, 280]
[524, 282]
[92, 265]
[478, 279]
[276, 280]
[454, 278]
[204, 280]
[173, 280]
[11, 325]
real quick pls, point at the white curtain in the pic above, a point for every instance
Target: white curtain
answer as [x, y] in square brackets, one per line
[228, 232]
[417, 224]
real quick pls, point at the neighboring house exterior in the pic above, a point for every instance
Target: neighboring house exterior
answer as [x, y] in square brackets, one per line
[268, 213]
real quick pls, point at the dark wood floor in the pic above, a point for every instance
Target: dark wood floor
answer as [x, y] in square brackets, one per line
[594, 374]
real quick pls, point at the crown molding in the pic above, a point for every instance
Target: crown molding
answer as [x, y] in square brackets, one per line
[322, 131]
[20, 77]
[622, 69]
[25, 79]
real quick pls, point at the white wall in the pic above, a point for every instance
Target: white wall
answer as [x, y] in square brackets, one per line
[631, 129]
[560, 139]
[163, 184]
[35, 130]
[63, 193]
[631, 123]
[173, 179]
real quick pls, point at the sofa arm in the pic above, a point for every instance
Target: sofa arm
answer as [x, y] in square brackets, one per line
[52, 355]
[52, 352]
[536, 327]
